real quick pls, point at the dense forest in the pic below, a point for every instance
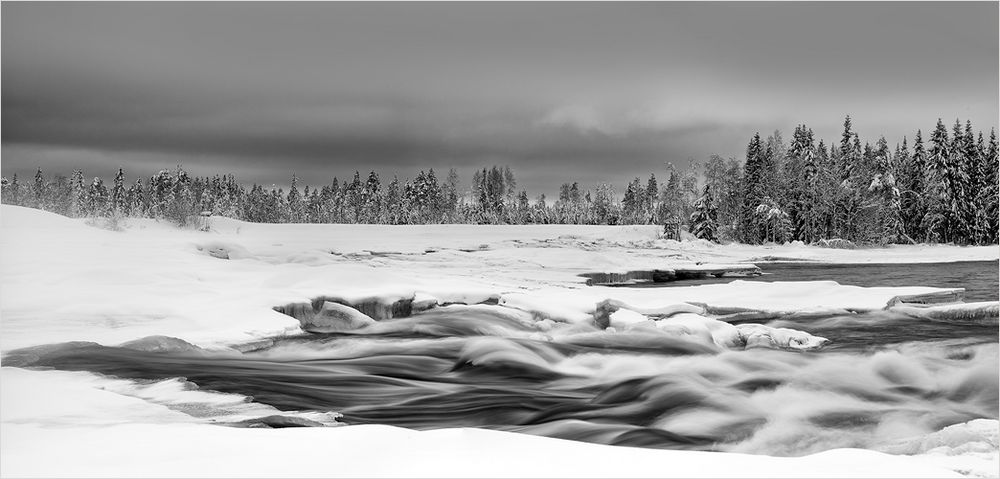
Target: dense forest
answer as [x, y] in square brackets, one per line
[944, 191]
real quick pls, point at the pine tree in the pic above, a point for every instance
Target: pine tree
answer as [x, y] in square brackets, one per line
[652, 192]
[960, 191]
[97, 198]
[451, 196]
[846, 150]
[753, 193]
[885, 197]
[296, 208]
[633, 204]
[937, 221]
[371, 198]
[992, 191]
[353, 204]
[183, 201]
[393, 202]
[39, 194]
[12, 192]
[975, 167]
[119, 205]
[136, 198]
[704, 222]
[803, 187]
[604, 207]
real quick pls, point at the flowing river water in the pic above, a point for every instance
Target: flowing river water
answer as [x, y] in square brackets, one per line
[883, 378]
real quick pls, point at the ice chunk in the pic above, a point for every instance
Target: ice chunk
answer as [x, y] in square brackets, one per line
[161, 344]
[760, 336]
[334, 317]
[625, 317]
[986, 312]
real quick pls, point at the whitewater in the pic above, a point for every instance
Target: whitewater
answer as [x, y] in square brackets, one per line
[459, 350]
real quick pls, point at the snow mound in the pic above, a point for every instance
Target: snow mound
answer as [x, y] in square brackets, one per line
[21, 217]
[969, 448]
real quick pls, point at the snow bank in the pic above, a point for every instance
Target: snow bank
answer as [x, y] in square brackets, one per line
[970, 447]
[104, 427]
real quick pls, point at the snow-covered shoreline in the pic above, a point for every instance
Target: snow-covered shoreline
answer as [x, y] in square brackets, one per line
[61, 280]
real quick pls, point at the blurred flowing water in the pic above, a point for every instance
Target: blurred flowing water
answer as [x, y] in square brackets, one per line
[883, 378]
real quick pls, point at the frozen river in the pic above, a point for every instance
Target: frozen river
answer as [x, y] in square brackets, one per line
[882, 378]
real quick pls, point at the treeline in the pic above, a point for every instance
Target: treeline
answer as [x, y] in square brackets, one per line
[492, 198]
[945, 191]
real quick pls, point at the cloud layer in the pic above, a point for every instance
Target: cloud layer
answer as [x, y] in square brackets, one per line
[559, 91]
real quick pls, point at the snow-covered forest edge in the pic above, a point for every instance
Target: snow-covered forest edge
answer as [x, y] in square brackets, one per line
[844, 195]
[217, 285]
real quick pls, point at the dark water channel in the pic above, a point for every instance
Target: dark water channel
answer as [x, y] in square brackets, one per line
[979, 278]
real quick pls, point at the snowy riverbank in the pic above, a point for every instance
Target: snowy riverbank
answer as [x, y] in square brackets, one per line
[61, 280]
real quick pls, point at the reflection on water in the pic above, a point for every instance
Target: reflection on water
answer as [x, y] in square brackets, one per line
[883, 377]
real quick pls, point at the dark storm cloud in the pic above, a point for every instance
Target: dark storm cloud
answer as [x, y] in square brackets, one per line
[558, 91]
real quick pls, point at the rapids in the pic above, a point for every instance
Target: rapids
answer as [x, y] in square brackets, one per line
[882, 378]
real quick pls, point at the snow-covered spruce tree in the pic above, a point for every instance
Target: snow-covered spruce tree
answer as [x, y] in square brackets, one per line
[432, 191]
[750, 230]
[182, 201]
[57, 194]
[12, 192]
[371, 199]
[96, 198]
[776, 224]
[704, 222]
[960, 198]
[774, 162]
[522, 209]
[847, 154]
[650, 203]
[827, 188]
[39, 192]
[353, 203]
[726, 180]
[136, 199]
[992, 193]
[76, 194]
[671, 199]
[800, 187]
[296, 208]
[119, 201]
[975, 167]
[937, 220]
[605, 207]
[161, 191]
[911, 187]
[393, 203]
[633, 204]
[451, 197]
[885, 197]
[576, 204]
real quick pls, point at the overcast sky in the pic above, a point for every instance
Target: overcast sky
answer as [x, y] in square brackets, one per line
[561, 92]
